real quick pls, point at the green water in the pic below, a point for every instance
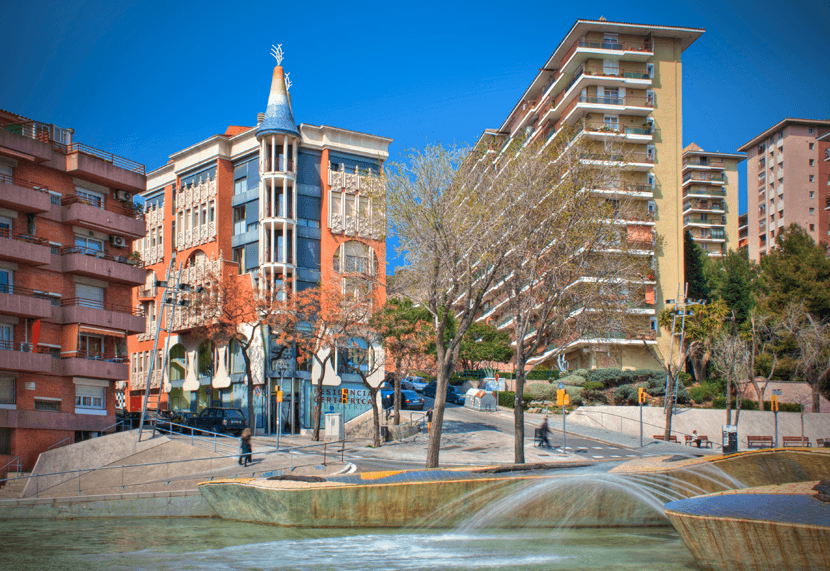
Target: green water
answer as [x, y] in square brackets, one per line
[213, 544]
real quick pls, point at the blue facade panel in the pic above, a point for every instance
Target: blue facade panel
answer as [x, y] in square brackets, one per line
[251, 256]
[308, 168]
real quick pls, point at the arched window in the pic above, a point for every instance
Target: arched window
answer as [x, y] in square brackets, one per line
[354, 257]
[177, 366]
[206, 359]
[198, 258]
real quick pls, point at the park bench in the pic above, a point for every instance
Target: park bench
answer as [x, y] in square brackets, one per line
[759, 441]
[672, 438]
[704, 440]
[823, 442]
[796, 441]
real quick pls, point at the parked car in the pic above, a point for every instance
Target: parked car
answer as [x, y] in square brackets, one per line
[216, 419]
[416, 384]
[411, 401]
[453, 395]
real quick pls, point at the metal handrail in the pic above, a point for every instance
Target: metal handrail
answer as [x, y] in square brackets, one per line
[15, 460]
[23, 237]
[56, 444]
[97, 304]
[80, 471]
[115, 207]
[120, 162]
[69, 250]
[93, 356]
[23, 346]
[9, 179]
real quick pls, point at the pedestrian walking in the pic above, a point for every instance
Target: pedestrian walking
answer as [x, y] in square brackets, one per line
[245, 445]
[543, 434]
[429, 420]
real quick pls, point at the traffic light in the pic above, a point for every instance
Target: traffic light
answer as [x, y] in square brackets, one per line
[641, 395]
[560, 397]
[774, 403]
[567, 399]
[344, 396]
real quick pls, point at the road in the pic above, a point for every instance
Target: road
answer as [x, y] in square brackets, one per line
[478, 438]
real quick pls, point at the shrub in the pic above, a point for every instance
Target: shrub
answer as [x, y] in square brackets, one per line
[623, 395]
[590, 386]
[540, 391]
[746, 404]
[613, 377]
[507, 399]
[572, 380]
[576, 400]
[581, 373]
[705, 391]
[539, 375]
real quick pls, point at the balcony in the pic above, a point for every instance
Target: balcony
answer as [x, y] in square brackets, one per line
[696, 163]
[583, 49]
[711, 236]
[712, 191]
[108, 315]
[147, 293]
[694, 221]
[117, 219]
[97, 264]
[699, 206]
[24, 248]
[23, 195]
[636, 161]
[635, 190]
[96, 366]
[628, 105]
[704, 177]
[24, 302]
[21, 357]
[631, 133]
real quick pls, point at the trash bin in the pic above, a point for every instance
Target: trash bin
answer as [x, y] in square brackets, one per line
[730, 438]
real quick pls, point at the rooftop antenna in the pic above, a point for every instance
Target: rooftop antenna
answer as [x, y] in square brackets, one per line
[287, 81]
[276, 51]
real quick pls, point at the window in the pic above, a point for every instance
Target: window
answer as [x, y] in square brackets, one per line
[650, 70]
[812, 227]
[196, 178]
[246, 176]
[90, 197]
[810, 131]
[812, 195]
[6, 281]
[89, 246]
[31, 222]
[6, 441]
[812, 177]
[811, 162]
[49, 405]
[812, 211]
[7, 395]
[240, 224]
[239, 258]
[92, 345]
[90, 296]
[610, 67]
[90, 397]
[612, 122]
[811, 148]
[6, 339]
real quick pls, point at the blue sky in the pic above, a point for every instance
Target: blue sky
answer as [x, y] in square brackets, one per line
[145, 79]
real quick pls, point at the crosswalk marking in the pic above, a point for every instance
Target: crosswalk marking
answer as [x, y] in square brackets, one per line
[597, 447]
[631, 455]
[614, 456]
[597, 456]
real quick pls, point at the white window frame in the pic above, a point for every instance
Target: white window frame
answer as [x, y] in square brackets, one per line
[90, 400]
[91, 196]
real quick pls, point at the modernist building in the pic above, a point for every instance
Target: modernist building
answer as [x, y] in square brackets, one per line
[621, 82]
[793, 182]
[67, 224]
[743, 231]
[276, 202]
[710, 199]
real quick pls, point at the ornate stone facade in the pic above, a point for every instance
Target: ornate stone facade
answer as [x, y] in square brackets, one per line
[199, 200]
[355, 205]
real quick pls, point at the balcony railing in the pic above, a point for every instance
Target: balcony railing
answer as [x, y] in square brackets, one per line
[22, 237]
[704, 192]
[17, 181]
[719, 177]
[699, 206]
[127, 209]
[632, 157]
[608, 45]
[96, 253]
[628, 73]
[600, 127]
[97, 356]
[24, 347]
[97, 304]
[147, 292]
[698, 163]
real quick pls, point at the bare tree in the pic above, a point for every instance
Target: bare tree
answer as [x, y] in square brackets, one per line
[731, 358]
[811, 336]
[762, 335]
[575, 262]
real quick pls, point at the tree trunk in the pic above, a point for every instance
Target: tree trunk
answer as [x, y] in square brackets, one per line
[669, 408]
[519, 412]
[434, 447]
[248, 374]
[699, 365]
[318, 391]
[728, 401]
[373, 394]
[396, 419]
[759, 394]
[816, 396]
[739, 397]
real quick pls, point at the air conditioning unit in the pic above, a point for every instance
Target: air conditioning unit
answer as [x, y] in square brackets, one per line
[123, 195]
[118, 241]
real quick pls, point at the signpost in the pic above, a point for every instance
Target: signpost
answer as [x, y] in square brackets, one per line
[641, 397]
[279, 416]
[563, 399]
[774, 405]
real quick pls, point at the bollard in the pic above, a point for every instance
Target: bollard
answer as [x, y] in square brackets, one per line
[324, 453]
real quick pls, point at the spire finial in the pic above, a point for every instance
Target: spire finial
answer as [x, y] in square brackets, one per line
[276, 51]
[288, 83]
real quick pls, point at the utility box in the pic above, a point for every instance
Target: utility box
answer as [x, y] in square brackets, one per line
[334, 426]
[478, 399]
[730, 438]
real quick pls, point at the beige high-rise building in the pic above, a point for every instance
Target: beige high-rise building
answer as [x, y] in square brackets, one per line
[710, 199]
[784, 161]
[621, 82]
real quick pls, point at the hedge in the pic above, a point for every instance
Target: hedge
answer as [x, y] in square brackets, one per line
[747, 404]
[573, 380]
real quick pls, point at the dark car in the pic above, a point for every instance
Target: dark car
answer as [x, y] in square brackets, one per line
[215, 419]
[411, 401]
[453, 395]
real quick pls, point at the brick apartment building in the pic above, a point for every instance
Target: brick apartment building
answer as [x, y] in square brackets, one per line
[67, 224]
[277, 202]
[789, 187]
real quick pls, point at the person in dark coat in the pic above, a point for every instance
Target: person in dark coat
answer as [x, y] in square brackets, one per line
[543, 433]
[245, 456]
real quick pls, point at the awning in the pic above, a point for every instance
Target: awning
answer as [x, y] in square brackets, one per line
[102, 331]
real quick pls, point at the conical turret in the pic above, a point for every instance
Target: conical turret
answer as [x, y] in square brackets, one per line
[278, 116]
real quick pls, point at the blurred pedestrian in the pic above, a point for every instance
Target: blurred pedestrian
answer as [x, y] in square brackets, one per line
[245, 445]
[429, 420]
[543, 434]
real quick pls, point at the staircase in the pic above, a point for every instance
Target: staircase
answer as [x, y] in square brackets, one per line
[13, 490]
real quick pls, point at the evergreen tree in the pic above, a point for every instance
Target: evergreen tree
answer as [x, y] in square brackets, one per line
[733, 279]
[797, 269]
[694, 261]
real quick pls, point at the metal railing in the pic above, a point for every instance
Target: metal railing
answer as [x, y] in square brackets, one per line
[168, 478]
[22, 346]
[112, 206]
[23, 237]
[15, 460]
[96, 356]
[63, 442]
[97, 304]
[96, 253]
[24, 291]
[598, 127]
[8, 179]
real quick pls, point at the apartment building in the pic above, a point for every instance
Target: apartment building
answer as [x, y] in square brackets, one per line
[823, 158]
[277, 202]
[788, 178]
[620, 82]
[67, 223]
[743, 231]
[710, 199]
